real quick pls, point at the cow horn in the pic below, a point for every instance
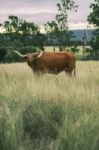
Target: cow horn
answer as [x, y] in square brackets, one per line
[23, 56]
[40, 54]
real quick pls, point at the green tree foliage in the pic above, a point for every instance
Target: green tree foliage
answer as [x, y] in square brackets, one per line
[22, 33]
[59, 27]
[94, 15]
[64, 8]
[28, 27]
[52, 29]
[27, 30]
[93, 18]
[16, 25]
[12, 24]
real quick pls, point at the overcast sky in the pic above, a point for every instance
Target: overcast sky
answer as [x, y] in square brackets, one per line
[41, 11]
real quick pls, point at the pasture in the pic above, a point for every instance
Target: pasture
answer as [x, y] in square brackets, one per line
[51, 112]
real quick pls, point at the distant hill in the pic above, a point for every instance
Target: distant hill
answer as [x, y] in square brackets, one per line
[79, 34]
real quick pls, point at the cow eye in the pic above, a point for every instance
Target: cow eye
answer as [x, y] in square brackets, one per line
[35, 55]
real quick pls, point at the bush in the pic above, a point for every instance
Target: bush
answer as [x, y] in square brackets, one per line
[3, 52]
[29, 49]
[7, 55]
[12, 57]
[74, 49]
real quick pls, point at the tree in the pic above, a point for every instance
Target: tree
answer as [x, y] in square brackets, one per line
[7, 26]
[93, 18]
[64, 8]
[28, 27]
[59, 27]
[12, 24]
[20, 30]
[52, 29]
[16, 25]
[27, 30]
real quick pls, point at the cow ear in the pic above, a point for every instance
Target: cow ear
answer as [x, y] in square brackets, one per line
[35, 55]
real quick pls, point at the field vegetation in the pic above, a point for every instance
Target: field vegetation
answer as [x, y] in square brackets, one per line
[51, 112]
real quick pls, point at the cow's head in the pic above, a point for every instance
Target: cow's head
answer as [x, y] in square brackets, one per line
[31, 57]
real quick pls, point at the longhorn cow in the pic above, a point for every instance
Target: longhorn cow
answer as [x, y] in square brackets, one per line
[50, 62]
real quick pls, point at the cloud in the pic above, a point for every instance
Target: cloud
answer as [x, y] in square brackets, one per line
[28, 6]
[40, 11]
[80, 25]
[37, 18]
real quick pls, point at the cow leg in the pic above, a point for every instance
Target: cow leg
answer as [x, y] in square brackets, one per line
[36, 74]
[71, 73]
[68, 72]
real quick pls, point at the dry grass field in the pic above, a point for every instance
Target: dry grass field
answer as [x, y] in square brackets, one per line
[51, 112]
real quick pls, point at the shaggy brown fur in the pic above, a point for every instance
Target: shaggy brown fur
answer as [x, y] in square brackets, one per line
[51, 62]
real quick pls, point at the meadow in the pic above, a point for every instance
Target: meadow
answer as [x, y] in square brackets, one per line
[51, 112]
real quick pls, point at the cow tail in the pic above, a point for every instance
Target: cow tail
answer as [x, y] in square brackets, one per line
[75, 70]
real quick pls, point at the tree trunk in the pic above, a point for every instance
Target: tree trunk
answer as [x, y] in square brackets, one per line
[60, 48]
[54, 48]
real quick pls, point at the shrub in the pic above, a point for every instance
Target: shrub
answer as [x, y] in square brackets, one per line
[3, 52]
[9, 56]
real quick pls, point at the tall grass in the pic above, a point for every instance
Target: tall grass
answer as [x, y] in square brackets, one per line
[52, 112]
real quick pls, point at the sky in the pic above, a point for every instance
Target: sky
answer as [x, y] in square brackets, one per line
[41, 11]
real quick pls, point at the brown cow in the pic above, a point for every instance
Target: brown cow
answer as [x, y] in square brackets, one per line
[50, 62]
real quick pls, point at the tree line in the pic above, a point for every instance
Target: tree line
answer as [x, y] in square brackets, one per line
[26, 36]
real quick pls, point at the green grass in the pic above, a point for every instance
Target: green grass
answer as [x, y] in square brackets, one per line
[52, 112]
